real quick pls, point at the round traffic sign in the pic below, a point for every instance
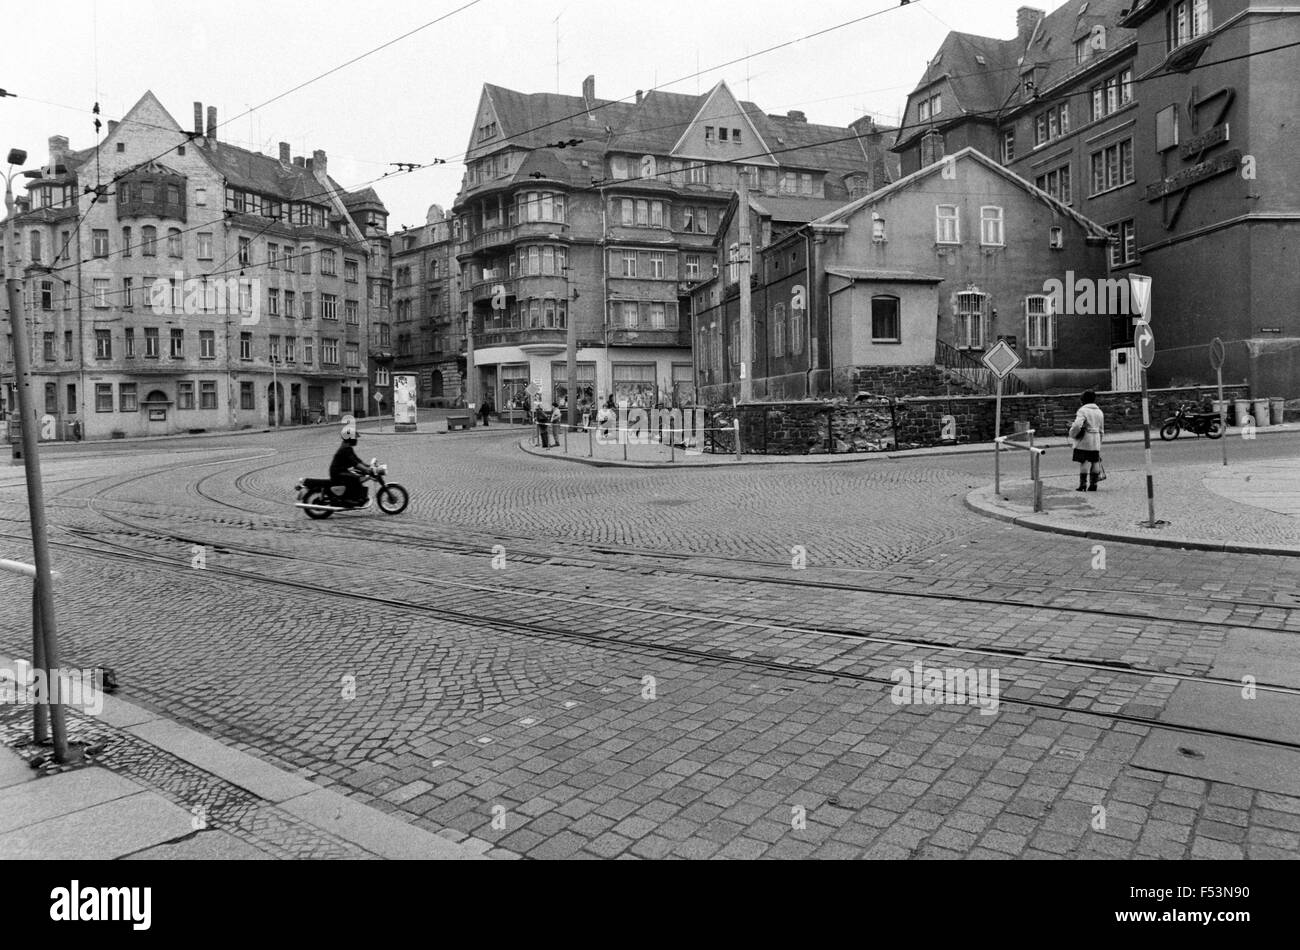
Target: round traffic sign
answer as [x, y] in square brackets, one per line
[1145, 341]
[1216, 354]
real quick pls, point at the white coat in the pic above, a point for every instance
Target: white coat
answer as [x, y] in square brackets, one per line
[1089, 427]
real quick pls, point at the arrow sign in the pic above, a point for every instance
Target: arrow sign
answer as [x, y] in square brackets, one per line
[1145, 341]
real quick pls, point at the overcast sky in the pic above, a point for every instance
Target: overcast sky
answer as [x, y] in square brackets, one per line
[415, 100]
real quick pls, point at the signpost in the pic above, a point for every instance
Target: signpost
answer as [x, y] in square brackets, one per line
[379, 398]
[1145, 341]
[1216, 361]
[404, 403]
[1000, 360]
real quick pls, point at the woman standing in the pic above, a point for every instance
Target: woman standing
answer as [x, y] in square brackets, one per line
[1088, 429]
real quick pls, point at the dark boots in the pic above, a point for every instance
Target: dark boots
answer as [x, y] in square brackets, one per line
[1083, 482]
[1092, 481]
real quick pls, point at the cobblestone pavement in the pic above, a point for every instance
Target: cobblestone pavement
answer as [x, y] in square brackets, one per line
[585, 698]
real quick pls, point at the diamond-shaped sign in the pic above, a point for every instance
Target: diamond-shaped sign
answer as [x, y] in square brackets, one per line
[1002, 359]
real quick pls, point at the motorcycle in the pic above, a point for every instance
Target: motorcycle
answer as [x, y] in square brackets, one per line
[320, 497]
[1200, 423]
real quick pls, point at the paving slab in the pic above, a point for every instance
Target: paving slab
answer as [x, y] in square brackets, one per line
[1220, 759]
[381, 834]
[101, 832]
[210, 845]
[61, 794]
[14, 769]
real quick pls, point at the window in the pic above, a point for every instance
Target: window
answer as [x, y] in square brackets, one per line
[1056, 238]
[274, 347]
[634, 382]
[352, 356]
[149, 241]
[930, 107]
[207, 344]
[970, 320]
[128, 399]
[151, 343]
[103, 345]
[328, 263]
[697, 173]
[629, 263]
[708, 134]
[174, 248]
[273, 302]
[35, 246]
[72, 398]
[205, 245]
[329, 351]
[67, 344]
[692, 267]
[128, 293]
[1008, 146]
[1185, 21]
[1057, 184]
[272, 255]
[208, 394]
[307, 312]
[101, 292]
[1040, 323]
[1123, 247]
[103, 397]
[48, 346]
[305, 257]
[288, 257]
[657, 264]
[329, 304]
[290, 304]
[778, 330]
[245, 346]
[246, 396]
[352, 312]
[618, 166]
[1112, 166]
[291, 349]
[178, 344]
[126, 242]
[47, 295]
[1051, 124]
[245, 251]
[307, 346]
[991, 226]
[1111, 94]
[184, 395]
[695, 220]
[885, 321]
[947, 224]
[99, 242]
[350, 271]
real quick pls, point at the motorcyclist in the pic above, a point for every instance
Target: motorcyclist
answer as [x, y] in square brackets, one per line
[343, 469]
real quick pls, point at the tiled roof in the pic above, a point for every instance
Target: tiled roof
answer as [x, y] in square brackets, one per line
[794, 210]
[1052, 51]
[261, 173]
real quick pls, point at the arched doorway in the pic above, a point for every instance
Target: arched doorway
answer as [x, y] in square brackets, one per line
[435, 384]
[275, 403]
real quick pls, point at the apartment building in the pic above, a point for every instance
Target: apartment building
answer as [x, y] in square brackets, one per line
[175, 282]
[428, 334]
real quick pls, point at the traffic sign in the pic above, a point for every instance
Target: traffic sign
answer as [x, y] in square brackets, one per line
[1216, 354]
[1140, 294]
[1145, 341]
[1001, 359]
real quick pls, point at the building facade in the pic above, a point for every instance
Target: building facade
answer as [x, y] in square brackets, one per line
[1159, 120]
[175, 282]
[600, 214]
[896, 292]
[428, 335]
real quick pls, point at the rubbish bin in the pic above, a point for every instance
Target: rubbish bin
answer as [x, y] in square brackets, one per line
[1278, 407]
[1260, 411]
[1223, 408]
[1242, 413]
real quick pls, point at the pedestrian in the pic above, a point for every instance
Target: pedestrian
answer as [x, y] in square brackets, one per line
[485, 410]
[556, 417]
[1088, 430]
[540, 419]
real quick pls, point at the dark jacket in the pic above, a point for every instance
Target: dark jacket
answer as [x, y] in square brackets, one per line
[344, 460]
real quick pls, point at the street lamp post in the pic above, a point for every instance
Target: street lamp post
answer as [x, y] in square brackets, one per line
[275, 393]
[44, 598]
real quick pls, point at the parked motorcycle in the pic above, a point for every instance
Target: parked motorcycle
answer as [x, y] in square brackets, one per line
[320, 497]
[1199, 423]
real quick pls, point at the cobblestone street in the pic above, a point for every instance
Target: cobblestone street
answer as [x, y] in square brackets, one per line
[565, 662]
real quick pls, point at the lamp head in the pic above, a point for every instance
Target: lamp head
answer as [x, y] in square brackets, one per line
[17, 156]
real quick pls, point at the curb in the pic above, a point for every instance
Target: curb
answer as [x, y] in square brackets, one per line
[1187, 544]
[383, 835]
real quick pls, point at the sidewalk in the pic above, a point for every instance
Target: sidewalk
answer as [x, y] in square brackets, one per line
[654, 455]
[1246, 507]
[152, 788]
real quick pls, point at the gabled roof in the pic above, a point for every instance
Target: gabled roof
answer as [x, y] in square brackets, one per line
[1051, 54]
[793, 209]
[254, 171]
[967, 154]
[531, 120]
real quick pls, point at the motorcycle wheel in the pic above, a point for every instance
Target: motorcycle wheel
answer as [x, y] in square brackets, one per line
[392, 499]
[1215, 431]
[1170, 430]
[315, 498]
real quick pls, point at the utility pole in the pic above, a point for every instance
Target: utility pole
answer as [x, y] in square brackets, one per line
[44, 594]
[571, 346]
[745, 259]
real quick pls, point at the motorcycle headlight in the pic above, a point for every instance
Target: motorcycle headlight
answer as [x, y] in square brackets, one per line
[383, 469]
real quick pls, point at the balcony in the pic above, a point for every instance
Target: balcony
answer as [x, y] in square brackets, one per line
[541, 342]
[649, 336]
[485, 290]
[506, 235]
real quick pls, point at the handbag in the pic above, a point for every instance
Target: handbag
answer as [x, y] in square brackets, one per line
[1101, 471]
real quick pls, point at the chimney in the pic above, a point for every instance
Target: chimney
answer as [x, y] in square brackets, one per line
[284, 154]
[299, 161]
[864, 126]
[198, 118]
[640, 94]
[1026, 21]
[794, 115]
[212, 122]
[589, 90]
[58, 149]
[112, 125]
[317, 162]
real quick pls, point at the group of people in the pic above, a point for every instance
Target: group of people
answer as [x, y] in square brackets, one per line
[549, 422]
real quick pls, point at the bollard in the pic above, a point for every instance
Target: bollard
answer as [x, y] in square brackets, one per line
[736, 426]
[590, 442]
[566, 440]
[997, 468]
